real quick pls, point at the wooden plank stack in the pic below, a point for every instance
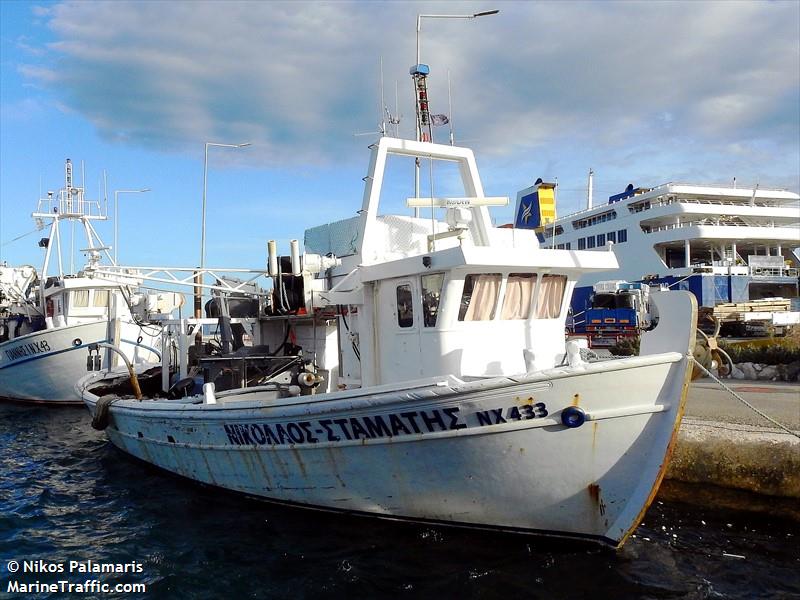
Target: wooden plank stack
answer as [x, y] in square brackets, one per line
[734, 311]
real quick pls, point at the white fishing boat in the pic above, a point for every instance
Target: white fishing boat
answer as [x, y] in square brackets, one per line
[426, 378]
[47, 322]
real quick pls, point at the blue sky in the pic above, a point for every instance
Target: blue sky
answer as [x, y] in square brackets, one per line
[642, 92]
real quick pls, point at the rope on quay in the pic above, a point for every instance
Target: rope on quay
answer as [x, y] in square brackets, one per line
[740, 399]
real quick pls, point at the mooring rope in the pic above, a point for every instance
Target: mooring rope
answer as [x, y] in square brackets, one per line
[742, 400]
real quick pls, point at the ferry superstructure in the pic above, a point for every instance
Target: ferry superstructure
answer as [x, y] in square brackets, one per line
[722, 243]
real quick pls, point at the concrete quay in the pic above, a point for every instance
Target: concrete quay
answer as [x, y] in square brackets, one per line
[728, 456]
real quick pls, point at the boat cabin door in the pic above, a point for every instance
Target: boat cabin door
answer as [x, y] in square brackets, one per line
[398, 319]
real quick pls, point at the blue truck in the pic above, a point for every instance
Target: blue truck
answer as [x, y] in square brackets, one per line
[617, 310]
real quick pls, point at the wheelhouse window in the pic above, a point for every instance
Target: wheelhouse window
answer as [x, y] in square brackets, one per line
[405, 307]
[431, 296]
[479, 300]
[517, 300]
[550, 296]
[582, 244]
[601, 239]
[79, 298]
[100, 298]
[611, 236]
[622, 236]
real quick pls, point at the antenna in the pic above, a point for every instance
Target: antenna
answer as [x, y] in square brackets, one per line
[419, 74]
[555, 216]
[397, 108]
[450, 109]
[386, 116]
[68, 175]
[105, 191]
[382, 123]
[589, 189]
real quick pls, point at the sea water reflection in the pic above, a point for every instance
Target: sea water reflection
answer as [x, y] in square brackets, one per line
[67, 494]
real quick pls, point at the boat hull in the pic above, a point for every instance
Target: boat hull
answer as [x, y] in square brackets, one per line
[493, 454]
[43, 366]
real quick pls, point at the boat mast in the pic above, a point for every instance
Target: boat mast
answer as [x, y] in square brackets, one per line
[70, 204]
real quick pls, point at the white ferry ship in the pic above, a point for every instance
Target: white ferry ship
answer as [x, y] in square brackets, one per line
[722, 243]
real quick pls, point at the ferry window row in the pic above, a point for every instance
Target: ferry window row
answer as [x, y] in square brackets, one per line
[636, 207]
[595, 219]
[480, 298]
[598, 241]
[548, 232]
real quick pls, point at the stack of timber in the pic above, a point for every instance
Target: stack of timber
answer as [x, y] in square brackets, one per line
[758, 317]
[736, 311]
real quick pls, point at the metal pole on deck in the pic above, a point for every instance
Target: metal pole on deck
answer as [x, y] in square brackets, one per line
[485, 13]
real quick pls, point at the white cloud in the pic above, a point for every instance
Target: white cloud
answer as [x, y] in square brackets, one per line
[299, 78]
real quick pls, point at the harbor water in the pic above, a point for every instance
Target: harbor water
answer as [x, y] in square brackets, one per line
[66, 494]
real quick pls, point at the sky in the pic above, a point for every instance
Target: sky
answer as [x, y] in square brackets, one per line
[640, 92]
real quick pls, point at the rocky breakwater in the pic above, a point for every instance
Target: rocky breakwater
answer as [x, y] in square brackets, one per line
[765, 372]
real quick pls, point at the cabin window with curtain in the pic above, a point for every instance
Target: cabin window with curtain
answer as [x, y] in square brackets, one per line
[100, 298]
[79, 298]
[479, 300]
[431, 296]
[517, 301]
[550, 296]
[405, 306]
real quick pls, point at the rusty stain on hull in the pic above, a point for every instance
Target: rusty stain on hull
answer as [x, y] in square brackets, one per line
[594, 494]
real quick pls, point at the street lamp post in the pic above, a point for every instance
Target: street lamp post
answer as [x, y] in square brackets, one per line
[199, 275]
[116, 215]
[205, 181]
[485, 13]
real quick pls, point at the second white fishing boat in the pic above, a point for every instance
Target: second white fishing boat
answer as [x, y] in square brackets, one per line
[48, 321]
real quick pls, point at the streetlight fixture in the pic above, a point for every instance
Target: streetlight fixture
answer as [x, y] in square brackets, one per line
[116, 214]
[205, 181]
[485, 13]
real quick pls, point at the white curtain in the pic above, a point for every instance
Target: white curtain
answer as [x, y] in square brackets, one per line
[551, 293]
[101, 297]
[484, 297]
[80, 298]
[517, 302]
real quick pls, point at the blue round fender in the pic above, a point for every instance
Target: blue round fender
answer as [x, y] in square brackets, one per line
[573, 416]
